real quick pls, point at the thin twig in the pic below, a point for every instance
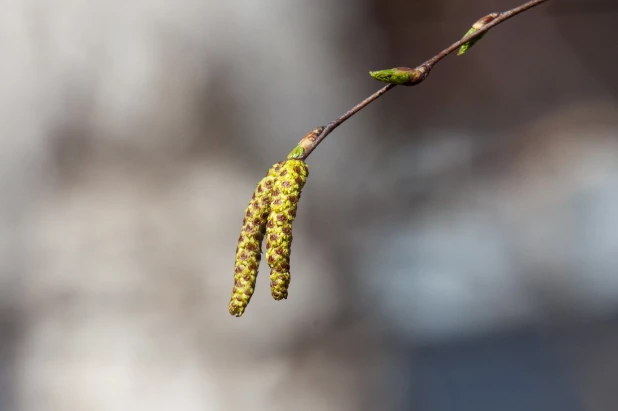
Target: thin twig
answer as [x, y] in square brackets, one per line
[420, 73]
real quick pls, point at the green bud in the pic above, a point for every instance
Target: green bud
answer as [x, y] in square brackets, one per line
[466, 46]
[394, 75]
[297, 152]
[479, 24]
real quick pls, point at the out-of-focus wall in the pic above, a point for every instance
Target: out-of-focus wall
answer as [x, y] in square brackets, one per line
[480, 202]
[133, 134]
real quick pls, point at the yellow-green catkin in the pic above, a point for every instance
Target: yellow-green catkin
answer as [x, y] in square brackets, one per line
[290, 177]
[249, 250]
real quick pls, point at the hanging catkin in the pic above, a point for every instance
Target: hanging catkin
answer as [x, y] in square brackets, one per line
[249, 250]
[290, 177]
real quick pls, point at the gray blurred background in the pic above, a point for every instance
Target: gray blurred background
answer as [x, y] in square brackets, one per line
[456, 246]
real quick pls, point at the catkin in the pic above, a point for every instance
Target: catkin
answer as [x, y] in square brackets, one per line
[249, 250]
[290, 177]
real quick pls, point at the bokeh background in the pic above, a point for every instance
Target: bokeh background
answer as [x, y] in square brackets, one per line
[456, 246]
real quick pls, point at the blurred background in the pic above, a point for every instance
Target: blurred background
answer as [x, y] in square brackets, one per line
[456, 246]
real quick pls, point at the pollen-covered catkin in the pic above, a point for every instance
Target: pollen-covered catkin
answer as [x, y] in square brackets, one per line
[249, 250]
[290, 177]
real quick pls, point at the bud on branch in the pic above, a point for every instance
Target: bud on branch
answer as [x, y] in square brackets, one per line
[480, 23]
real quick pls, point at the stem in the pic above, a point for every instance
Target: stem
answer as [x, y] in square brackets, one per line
[311, 140]
[420, 73]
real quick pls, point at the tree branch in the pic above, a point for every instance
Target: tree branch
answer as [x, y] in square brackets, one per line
[408, 77]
